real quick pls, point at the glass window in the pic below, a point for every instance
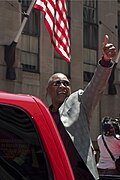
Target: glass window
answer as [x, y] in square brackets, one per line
[29, 54]
[90, 24]
[30, 39]
[90, 36]
[22, 156]
[87, 76]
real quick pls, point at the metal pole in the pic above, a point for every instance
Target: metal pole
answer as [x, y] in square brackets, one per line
[24, 21]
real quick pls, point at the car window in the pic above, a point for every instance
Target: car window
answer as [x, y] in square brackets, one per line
[21, 152]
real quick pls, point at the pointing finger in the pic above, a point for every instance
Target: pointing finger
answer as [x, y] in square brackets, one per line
[106, 38]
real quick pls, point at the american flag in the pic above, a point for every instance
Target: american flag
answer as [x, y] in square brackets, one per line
[56, 21]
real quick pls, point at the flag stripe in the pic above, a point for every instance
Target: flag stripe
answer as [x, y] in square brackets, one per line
[40, 5]
[56, 21]
[62, 32]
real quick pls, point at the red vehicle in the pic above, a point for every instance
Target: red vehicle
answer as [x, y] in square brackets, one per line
[30, 145]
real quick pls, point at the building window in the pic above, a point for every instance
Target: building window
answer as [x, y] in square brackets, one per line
[60, 65]
[90, 38]
[29, 54]
[90, 24]
[88, 76]
[30, 39]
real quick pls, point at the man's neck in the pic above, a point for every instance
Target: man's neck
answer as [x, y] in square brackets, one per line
[54, 108]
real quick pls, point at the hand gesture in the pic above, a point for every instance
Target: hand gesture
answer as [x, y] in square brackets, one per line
[109, 51]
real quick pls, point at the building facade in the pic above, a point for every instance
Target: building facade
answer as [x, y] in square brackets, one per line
[35, 59]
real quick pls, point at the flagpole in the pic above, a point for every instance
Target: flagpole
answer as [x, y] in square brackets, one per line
[9, 52]
[26, 16]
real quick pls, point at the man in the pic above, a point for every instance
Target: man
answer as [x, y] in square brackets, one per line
[72, 113]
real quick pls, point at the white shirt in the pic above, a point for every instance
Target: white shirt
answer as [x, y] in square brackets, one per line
[105, 160]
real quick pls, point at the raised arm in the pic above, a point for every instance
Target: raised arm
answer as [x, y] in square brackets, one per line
[97, 85]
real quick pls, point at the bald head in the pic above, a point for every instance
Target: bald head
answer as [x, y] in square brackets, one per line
[58, 88]
[54, 76]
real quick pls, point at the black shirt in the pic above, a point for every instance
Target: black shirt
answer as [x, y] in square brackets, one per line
[80, 170]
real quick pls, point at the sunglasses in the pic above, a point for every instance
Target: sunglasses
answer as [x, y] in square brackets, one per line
[59, 82]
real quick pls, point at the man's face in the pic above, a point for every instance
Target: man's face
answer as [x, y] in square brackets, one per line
[59, 89]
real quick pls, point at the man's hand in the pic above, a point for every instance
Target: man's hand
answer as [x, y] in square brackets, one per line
[109, 51]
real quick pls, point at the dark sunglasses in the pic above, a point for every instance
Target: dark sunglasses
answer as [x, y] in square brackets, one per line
[59, 82]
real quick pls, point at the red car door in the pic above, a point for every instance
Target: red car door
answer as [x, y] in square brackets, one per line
[30, 145]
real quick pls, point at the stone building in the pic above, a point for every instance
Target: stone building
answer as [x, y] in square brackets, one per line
[35, 59]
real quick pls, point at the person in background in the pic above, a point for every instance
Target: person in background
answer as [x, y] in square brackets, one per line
[106, 165]
[116, 124]
[72, 113]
